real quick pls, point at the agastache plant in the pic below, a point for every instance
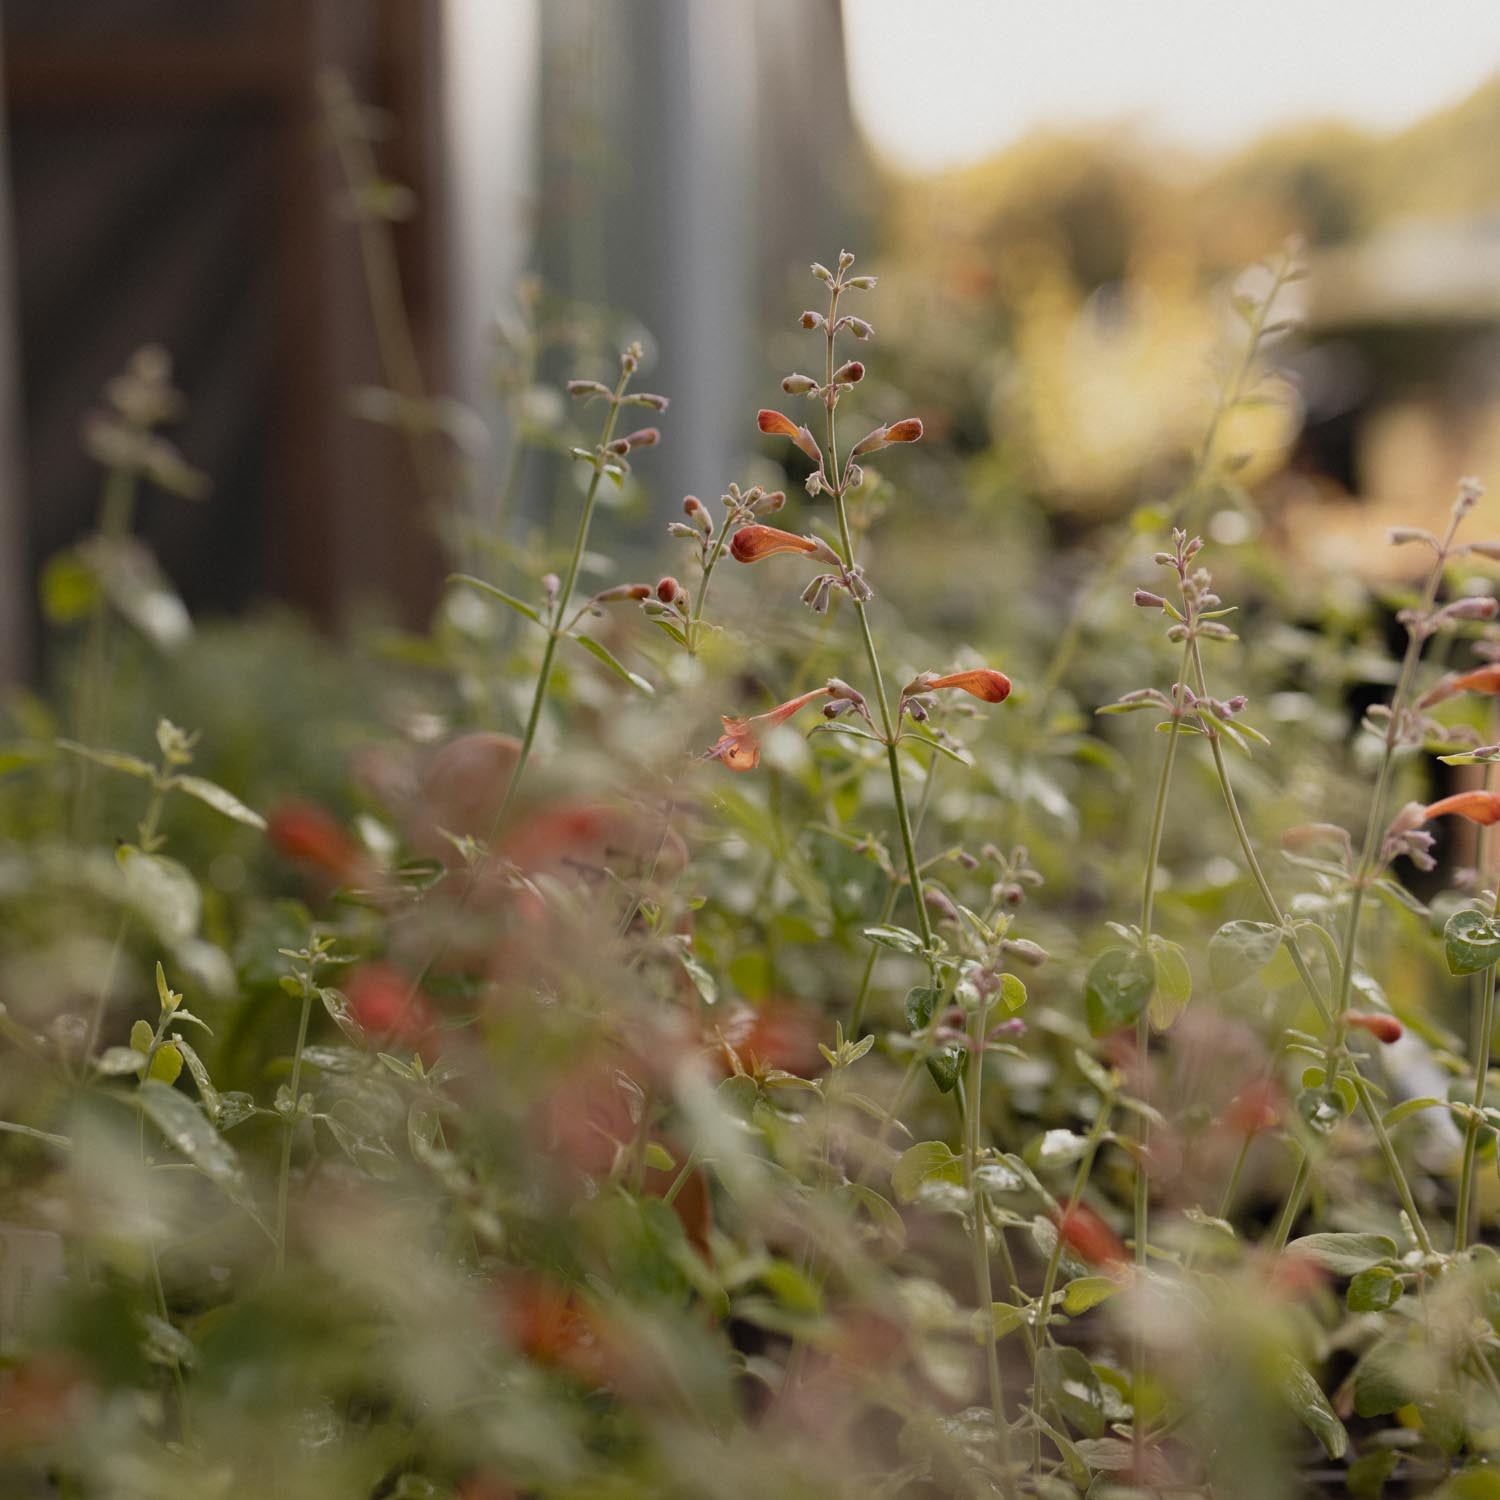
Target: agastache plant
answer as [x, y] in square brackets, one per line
[839, 479]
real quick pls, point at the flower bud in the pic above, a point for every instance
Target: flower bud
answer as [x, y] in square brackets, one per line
[907, 430]
[693, 506]
[1145, 599]
[579, 389]
[1382, 1027]
[858, 327]
[648, 400]
[642, 437]
[667, 589]
[846, 259]
[630, 360]
[811, 319]
[636, 591]
[680, 529]
[850, 373]
[821, 272]
[861, 283]
[800, 385]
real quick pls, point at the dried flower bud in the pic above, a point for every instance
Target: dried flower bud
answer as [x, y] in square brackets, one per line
[1027, 951]
[1398, 536]
[1470, 493]
[579, 389]
[799, 385]
[768, 502]
[850, 373]
[854, 477]
[1382, 1027]
[861, 283]
[937, 901]
[811, 319]
[774, 423]
[1145, 599]
[858, 327]
[667, 589]
[642, 437]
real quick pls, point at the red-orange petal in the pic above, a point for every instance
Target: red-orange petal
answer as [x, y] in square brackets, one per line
[1084, 1232]
[1485, 679]
[751, 543]
[982, 682]
[907, 430]
[776, 424]
[1476, 806]
[1382, 1027]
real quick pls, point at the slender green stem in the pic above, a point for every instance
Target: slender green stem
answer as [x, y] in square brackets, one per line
[979, 1243]
[1371, 1109]
[838, 483]
[1142, 1202]
[284, 1178]
[857, 1015]
[1293, 1205]
[1463, 1219]
[560, 608]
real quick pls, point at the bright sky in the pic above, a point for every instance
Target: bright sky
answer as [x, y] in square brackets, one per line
[944, 82]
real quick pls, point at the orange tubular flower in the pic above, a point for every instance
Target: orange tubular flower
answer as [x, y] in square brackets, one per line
[739, 746]
[1382, 1027]
[751, 543]
[302, 831]
[777, 425]
[907, 430]
[1086, 1234]
[982, 682]
[1485, 679]
[1476, 806]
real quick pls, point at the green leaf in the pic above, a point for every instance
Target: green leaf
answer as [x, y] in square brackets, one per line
[1012, 992]
[1409, 1107]
[115, 1062]
[921, 1002]
[1174, 983]
[902, 939]
[1070, 1380]
[142, 1034]
[613, 662]
[189, 1132]
[207, 1093]
[1118, 987]
[1086, 1292]
[222, 801]
[927, 1161]
[1004, 1318]
[1056, 1148]
[1344, 1254]
[166, 1063]
[520, 606]
[1471, 942]
[1374, 1290]
[705, 983]
[1240, 950]
[944, 1068]
[60, 1141]
[1390, 1376]
[111, 760]
[1305, 1397]
[163, 893]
